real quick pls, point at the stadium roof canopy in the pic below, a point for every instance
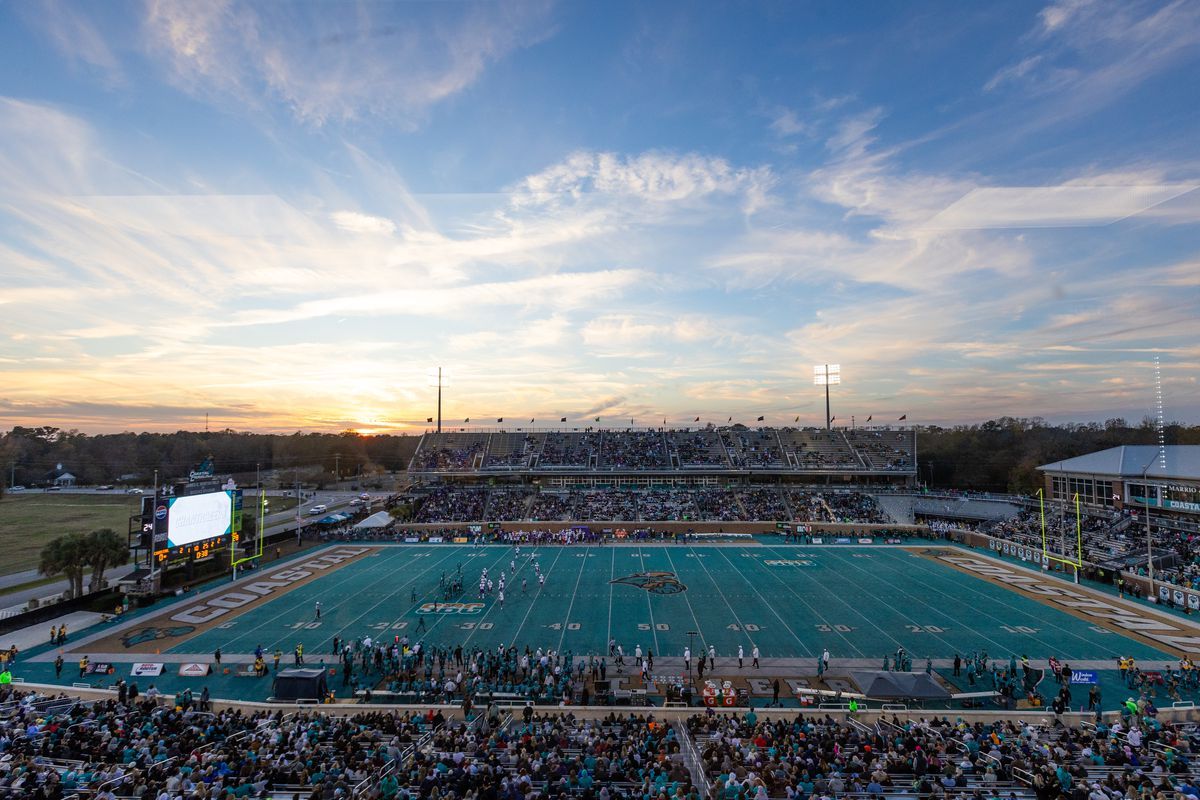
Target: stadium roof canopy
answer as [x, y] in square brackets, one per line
[1130, 461]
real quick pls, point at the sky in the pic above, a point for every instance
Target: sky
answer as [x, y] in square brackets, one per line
[287, 216]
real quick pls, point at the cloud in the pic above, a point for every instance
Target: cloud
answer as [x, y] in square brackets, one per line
[75, 36]
[786, 123]
[1056, 15]
[1013, 72]
[654, 177]
[325, 65]
[561, 291]
[1083, 55]
[355, 222]
[1052, 206]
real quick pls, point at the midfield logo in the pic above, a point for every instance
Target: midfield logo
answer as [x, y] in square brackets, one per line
[654, 582]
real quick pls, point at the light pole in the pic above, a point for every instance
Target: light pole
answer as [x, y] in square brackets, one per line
[826, 375]
[1149, 539]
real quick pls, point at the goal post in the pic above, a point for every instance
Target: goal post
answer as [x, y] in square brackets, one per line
[1063, 558]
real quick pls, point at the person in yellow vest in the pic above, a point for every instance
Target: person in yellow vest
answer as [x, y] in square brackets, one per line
[83, 666]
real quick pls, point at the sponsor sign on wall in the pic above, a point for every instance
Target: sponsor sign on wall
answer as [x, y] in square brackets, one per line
[146, 670]
[193, 670]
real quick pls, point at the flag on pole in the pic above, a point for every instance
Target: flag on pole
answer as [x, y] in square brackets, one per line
[697, 419]
[468, 419]
[833, 419]
[597, 419]
[903, 418]
[531, 420]
[731, 419]
[630, 422]
[564, 419]
[664, 420]
[760, 419]
[499, 419]
[429, 419]
[868, 417]
[797, 419]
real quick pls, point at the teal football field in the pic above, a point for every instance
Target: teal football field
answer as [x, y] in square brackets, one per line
[791, 602]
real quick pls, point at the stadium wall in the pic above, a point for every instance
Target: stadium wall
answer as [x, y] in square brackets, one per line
[842, 528]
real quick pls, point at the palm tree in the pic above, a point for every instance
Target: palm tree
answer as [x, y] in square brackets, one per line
[104, 548]
[66, 555]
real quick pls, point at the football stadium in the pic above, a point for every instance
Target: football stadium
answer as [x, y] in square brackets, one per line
[536, 400]
[633, 583]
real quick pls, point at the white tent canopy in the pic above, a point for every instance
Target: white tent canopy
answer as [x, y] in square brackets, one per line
[378, 520]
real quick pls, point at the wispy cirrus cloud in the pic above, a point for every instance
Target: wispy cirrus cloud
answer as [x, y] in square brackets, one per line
[325, 65]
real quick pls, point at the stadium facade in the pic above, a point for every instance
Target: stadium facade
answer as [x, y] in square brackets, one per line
[644, 457]
[1166, 480]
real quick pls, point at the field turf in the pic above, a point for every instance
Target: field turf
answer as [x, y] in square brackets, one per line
[790, 601]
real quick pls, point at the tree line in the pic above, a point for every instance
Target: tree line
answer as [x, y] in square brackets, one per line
[29, 454]
[998, 455]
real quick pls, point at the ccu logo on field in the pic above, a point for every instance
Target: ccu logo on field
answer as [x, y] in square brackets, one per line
[656, 582]
[449, 608]
[154, 634]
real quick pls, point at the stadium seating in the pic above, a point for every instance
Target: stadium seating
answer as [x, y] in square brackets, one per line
[736, 448]
[56, 747]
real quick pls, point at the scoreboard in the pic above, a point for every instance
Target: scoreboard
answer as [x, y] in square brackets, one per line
[191, 526]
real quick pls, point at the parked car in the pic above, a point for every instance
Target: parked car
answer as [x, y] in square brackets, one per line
[133, 491]
[53, 489]
[16, 488]
[320, 508]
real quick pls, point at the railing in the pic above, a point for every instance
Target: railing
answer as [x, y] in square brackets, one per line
[691, 758]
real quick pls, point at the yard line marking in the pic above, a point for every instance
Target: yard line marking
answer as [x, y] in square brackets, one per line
[741, 627]
[765, 602]
[421, 598]
[703, 641]
[390, 575]
[1049, 622]
[582, 563]
[649, 604]
[612, 573]
[503, 552]
[292, 600]
[859, 614]
[815, 614]
[909, 597]
[541, 587]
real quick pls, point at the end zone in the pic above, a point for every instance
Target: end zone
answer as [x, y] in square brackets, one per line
[192, 615]
[1148, 625]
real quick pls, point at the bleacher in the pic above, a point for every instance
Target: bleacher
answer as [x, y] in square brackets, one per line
[815, 449]
[883, 450]
[509, 451]
[699, 449]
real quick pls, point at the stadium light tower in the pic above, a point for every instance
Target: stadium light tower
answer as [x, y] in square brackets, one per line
[827, 375]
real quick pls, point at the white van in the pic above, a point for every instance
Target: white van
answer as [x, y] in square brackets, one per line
[317, 509]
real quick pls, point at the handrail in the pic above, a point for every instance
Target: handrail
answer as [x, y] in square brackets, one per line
[695, 765]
